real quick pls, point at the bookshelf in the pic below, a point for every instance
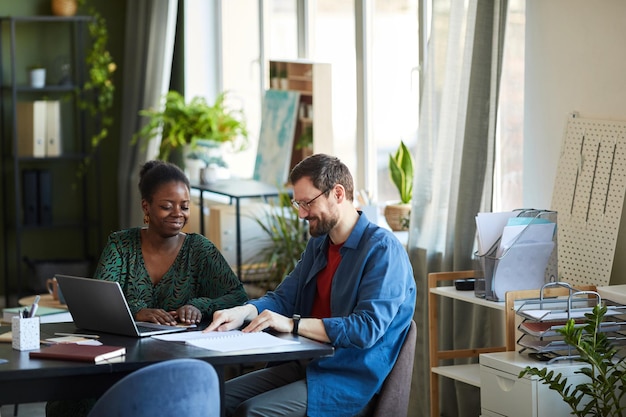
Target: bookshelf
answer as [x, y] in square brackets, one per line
[313, 80]
[50, 213]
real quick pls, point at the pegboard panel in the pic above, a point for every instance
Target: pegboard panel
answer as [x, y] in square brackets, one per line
[588, 196]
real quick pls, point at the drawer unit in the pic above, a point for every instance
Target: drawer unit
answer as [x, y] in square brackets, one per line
[502, 393]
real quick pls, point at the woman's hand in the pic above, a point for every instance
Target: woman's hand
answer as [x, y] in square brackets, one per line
[188, 314]
[156, 315]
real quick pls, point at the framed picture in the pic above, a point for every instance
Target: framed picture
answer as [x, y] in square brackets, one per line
[278, 123]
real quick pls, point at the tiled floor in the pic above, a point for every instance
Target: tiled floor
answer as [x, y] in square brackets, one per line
[24, 410]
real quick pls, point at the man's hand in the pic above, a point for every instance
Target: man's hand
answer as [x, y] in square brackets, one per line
[231, 318]
[269, 319]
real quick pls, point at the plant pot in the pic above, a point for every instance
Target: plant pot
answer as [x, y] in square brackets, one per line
[397, 216]
[193, 169]
[64, 7]
[37, 77]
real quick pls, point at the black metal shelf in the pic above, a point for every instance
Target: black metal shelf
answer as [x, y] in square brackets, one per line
[73, 193]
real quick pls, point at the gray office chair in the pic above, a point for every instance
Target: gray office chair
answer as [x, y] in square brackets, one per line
[177, 387]
[393, 399]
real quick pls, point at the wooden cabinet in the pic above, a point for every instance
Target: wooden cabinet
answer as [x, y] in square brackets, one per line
[314, 130]
[50, 199]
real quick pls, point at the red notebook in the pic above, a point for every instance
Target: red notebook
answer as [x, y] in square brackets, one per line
[76, 352]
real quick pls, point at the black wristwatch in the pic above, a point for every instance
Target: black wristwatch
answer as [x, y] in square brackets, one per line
[296, 322]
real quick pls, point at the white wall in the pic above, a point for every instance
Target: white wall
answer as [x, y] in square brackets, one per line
[575, 61]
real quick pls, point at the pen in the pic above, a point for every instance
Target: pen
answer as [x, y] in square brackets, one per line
[34, 306]
[86, 336]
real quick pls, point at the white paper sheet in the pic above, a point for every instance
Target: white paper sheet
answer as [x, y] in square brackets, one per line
[489, 227]
[227, 341]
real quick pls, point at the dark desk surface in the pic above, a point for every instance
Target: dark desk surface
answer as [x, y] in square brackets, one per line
[32, 380]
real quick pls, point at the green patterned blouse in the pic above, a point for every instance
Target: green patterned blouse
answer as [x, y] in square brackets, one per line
[199, 276]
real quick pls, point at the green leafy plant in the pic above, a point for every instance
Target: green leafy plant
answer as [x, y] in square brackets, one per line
[183, 123]
[401, 172]
[306, 138]
[602, 394]
[98, 90]
[273, 71]
[288, 234]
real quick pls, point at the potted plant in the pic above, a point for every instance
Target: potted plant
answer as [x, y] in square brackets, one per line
[274, 80]
[284, 82]
[401, 173]
[184, 125]
[602, 394]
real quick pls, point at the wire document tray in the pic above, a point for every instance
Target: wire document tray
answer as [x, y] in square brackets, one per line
[543, 316]
[523, 257]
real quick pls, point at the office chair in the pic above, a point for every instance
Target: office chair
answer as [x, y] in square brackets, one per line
[393, 399]
[177, 387]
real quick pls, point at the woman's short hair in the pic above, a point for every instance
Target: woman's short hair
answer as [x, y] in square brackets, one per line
[155, 173]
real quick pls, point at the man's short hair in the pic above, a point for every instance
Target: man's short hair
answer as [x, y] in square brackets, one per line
[325, 172]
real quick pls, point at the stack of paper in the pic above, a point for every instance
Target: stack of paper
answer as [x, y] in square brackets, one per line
[232, 340]
[497, 232]
[45, 314]
[514, 250]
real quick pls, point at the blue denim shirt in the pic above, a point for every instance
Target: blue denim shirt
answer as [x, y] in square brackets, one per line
[372, 301]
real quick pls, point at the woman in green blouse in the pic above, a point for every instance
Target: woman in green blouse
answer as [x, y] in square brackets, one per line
[168, 276]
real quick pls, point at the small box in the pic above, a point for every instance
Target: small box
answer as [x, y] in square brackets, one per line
[25, 333]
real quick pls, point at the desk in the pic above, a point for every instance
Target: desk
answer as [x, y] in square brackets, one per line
[235, 189]
[25, 380]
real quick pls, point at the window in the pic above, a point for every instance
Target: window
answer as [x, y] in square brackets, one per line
[244, 38]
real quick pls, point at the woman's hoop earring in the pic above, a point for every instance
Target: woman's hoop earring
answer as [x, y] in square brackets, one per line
[146, 219]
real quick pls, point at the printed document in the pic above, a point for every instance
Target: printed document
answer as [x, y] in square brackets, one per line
[230, 341]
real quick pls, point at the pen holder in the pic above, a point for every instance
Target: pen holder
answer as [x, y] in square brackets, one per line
[25, 333]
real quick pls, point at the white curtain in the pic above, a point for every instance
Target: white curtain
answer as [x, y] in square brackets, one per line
[150, 30]
[454, 157]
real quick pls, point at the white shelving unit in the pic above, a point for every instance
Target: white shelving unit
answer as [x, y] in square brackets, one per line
[469, 373]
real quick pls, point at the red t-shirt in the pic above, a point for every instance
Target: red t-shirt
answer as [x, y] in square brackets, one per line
[321, 304]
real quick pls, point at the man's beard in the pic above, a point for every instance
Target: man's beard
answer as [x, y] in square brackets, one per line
[322, 226]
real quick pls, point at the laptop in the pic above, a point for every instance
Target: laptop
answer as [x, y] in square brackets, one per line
[101, 306]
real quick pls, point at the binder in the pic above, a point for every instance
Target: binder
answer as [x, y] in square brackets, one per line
[31, 128]
[44, 182]
[30, 203]
[53, 128]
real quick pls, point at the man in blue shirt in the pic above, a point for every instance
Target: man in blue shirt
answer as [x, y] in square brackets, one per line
[353, 287]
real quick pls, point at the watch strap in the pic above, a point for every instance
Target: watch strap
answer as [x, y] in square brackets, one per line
[296, 323]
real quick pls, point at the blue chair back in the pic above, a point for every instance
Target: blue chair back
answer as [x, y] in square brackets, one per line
[177, 387]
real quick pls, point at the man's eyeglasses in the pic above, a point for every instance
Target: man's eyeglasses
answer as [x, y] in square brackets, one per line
[306, 205]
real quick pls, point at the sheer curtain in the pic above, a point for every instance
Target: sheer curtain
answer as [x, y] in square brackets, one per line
[150, 29]
[453, 181]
